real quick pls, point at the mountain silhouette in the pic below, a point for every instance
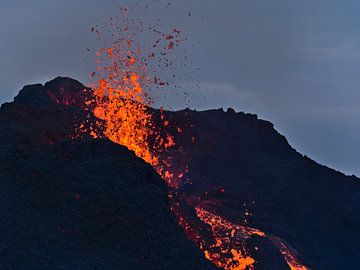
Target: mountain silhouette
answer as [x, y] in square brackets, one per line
[84, 203]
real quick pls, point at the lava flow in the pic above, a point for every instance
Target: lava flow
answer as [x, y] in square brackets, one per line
[121, 101]
[230, 239]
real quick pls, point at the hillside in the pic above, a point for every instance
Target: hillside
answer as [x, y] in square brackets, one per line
[71, 203]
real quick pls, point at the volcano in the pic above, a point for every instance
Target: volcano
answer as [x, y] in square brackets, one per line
[248, 201]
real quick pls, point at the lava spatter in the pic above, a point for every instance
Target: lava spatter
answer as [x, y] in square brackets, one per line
[121, 99]
[121, 91]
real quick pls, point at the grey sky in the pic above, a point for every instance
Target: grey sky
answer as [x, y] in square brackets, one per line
[295, 63]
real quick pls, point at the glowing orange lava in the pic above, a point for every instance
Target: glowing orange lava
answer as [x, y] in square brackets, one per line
[227, 254]
[223, 253]
[121, 101]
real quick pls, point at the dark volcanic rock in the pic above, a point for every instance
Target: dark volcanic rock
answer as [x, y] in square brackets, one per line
[64, 91]
[83, 204]
[91, 204]
[237, 163]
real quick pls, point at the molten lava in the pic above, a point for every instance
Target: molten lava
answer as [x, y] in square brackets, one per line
[224, 253]
[121, 101]
[229, 250]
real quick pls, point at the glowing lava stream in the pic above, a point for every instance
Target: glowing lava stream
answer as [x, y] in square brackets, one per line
[128, 123]
[121, 100]
[226, 233]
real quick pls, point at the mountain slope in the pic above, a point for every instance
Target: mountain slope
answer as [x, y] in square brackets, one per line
[240, 168]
